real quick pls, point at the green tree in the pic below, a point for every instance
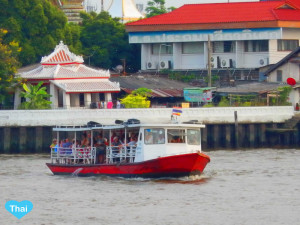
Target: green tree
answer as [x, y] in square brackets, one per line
[8, 66]
[137, 99]
[38, 26]
[157, 7]
[36, 96]
[284, 95]
[105, 42]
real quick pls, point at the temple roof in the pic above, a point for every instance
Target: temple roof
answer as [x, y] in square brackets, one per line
[62, 56]
[59, 72]
[87, 86]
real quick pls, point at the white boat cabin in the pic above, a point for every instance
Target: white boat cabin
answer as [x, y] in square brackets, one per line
[126, 143]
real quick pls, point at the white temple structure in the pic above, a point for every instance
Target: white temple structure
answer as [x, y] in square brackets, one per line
[69, 81]
[124, 9]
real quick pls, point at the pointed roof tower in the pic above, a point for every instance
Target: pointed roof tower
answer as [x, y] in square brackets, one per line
[61, 56]
[125, 9]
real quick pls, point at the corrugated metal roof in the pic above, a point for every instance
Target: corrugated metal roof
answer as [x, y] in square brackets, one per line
[160, 86]
[226, 12]
[253, 87]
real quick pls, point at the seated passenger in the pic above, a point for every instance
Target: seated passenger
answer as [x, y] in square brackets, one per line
[132, 142]
[148, 138]
[161, 139]
[116, 142]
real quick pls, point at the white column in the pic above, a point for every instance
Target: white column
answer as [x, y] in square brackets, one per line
[108, 97]
[66, 100]
[54, 96]
[75, 100]
[17, 100]
[239, 57]
[145, 55]
[177, 54]
[205, 53]
[87, 99]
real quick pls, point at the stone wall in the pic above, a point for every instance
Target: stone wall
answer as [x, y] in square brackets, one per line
[35, 118]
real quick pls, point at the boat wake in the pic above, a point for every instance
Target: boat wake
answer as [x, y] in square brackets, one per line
[76, 172]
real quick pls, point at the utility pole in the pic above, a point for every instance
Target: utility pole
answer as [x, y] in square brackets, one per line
[209, 61]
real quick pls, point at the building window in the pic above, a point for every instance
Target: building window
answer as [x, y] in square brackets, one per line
[257, 46]
[192, 47]
[279, 75]
[223, 46]
[287, 45]
[166, 49]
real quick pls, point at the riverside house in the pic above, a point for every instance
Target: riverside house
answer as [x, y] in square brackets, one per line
[244, 37]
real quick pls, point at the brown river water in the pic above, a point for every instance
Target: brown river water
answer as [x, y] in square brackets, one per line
[250, 187]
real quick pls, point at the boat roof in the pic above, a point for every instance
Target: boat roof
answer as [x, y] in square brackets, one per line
[123, 126]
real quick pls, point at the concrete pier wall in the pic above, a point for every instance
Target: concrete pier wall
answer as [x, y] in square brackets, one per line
[152, 115]
[31, 131]
[14, 140]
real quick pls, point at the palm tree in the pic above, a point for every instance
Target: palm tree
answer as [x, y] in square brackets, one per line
[36, 97]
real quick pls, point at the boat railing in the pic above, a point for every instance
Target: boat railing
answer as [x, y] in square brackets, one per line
[73, 155]
[115, 154]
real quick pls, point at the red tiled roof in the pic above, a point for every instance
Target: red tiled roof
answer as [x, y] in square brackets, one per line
[226, 13]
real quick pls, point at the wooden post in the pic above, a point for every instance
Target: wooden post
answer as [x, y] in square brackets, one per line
[6, 138]
[252, 135]
[216, 138]
[236, 128]
[228, 136]
[204, 138]
[23, 138]
[38, 139]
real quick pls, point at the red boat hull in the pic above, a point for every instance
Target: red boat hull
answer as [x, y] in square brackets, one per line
[171, 166]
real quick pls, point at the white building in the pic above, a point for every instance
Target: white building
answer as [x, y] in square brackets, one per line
[244, 35]
[68, 80]
[287, 68]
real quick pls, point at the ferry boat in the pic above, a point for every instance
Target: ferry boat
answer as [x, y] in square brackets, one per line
[154, 151]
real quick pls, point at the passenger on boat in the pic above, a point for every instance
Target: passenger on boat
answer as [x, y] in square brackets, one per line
[116, 142]
[161, 139]
[54, 142]
[53, 145]
[100, 149]
[84, 140]
[67, 146]
[132, 142]
[176, 139]
[148, 138]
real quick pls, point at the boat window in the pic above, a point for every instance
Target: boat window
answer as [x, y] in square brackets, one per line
[193, 137]
[176, 135]
[154, 136]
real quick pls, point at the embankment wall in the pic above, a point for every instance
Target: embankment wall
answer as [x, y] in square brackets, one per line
[30, 131]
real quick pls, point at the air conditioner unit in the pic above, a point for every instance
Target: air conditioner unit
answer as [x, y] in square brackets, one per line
[164, 64]
[150, 65]
[225, 63]
[214, 61]
[263, 61]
